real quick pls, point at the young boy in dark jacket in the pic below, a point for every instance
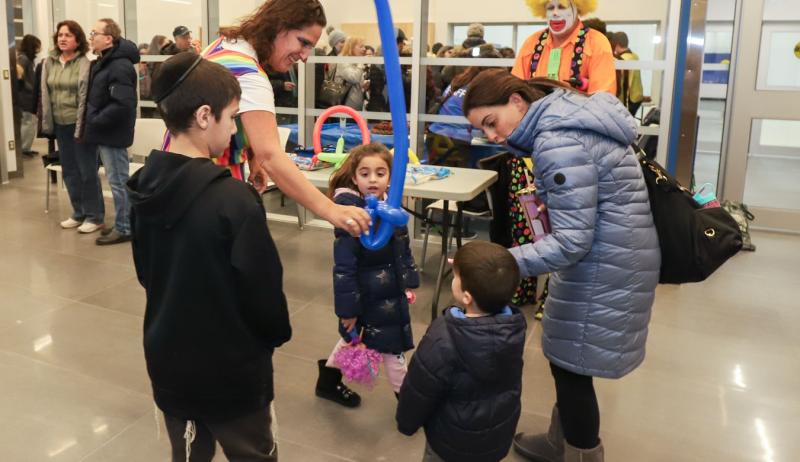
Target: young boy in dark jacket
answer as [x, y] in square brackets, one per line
[465, 379]
[203, 252]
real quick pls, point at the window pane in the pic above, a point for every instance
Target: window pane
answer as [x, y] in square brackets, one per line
[500, 36]
[780, 68]
[773, 164]
[526, 30]
[161, 17]
[459, 34]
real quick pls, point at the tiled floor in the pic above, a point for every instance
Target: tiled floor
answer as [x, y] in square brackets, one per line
[720, 382]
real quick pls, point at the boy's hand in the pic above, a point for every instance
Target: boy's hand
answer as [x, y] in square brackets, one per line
[349, 323]
[412, 296]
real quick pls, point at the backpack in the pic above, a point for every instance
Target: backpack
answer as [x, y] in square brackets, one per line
[694, 241]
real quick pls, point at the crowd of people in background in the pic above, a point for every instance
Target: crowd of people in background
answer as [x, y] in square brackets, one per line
[364, 85]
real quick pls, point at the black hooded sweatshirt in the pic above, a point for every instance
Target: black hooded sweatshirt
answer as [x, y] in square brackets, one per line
[215, 302]
[464, 384]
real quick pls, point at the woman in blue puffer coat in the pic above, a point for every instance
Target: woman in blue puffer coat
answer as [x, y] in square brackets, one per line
[602, 251]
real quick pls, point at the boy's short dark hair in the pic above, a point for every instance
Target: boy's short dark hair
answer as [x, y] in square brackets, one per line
[206, 83]
[489, 273]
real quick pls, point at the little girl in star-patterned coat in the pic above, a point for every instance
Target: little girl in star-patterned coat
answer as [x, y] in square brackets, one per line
[371, 287]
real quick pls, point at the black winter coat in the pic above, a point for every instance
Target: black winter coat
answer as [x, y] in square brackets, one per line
[283, 98]
[463, 385]
[27, 85]
[213, 278]
[111, 104]
[370, 285]
[377, 84]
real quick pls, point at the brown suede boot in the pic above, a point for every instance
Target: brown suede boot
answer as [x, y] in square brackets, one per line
[572, 454]
[544, 447]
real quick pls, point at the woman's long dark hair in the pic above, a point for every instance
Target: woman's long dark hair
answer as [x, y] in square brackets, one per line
[494, 87]
[29, 46]
[76, 30]
[261, 28]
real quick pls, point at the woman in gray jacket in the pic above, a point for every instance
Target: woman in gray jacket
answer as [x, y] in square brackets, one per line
[65, 85]
[354, 75]
[602, 251]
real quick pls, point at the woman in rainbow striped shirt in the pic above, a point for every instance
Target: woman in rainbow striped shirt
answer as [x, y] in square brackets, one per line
[275, 37]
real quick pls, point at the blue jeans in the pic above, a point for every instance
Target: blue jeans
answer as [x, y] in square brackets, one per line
[79, 165]
[117, 165]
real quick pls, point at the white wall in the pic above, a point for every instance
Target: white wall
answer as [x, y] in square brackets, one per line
[231, 11]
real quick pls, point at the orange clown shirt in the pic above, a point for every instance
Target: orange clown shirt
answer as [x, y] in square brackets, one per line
[597, 66]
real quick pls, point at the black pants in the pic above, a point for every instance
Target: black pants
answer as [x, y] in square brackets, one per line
[246, 439]
[577, 408]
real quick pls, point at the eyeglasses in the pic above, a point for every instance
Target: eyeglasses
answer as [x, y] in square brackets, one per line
[94, 32]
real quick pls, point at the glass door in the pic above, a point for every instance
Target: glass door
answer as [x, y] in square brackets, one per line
[764, 153]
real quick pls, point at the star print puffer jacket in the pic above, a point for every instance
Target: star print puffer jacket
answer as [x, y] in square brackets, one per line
[370, 285]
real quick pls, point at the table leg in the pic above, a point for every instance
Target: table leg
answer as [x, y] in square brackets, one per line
[301, 216]
[442, 260]
[459, 223]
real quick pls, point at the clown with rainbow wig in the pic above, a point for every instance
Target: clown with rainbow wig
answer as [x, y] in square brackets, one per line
[567, 50]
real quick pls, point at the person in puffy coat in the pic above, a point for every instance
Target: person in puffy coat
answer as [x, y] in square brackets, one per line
[603, 248]
[372, 288]
[465, 379]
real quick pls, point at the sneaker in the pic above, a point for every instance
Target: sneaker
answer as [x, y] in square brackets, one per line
[112, 237]
[88, 227]
[70, 223]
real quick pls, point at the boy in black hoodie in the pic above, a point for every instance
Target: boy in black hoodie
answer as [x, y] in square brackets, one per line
[215, 302]
[464, 381]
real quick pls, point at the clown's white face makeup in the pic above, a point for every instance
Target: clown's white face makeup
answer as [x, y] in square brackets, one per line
[561, 19]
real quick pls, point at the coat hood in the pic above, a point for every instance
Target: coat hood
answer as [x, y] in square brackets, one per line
[123, 49]
[484, 345]
[601, 113]
[162, 191]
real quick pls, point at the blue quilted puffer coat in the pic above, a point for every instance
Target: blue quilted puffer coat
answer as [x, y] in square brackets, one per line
[370, 285]
[603, 250]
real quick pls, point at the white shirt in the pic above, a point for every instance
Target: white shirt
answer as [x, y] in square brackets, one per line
[257, 94]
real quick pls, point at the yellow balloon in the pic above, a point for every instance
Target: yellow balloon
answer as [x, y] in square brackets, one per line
[412, 157]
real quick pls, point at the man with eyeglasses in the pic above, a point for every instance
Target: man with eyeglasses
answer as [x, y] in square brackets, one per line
[111, 116]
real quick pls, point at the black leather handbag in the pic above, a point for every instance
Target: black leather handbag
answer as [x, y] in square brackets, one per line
[333, 90]
[694, 241]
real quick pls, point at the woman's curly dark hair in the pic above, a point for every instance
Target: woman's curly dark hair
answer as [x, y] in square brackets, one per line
[261, 28]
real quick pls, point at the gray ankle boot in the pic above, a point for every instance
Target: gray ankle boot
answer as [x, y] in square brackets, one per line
[572, 454]
[544, 447]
